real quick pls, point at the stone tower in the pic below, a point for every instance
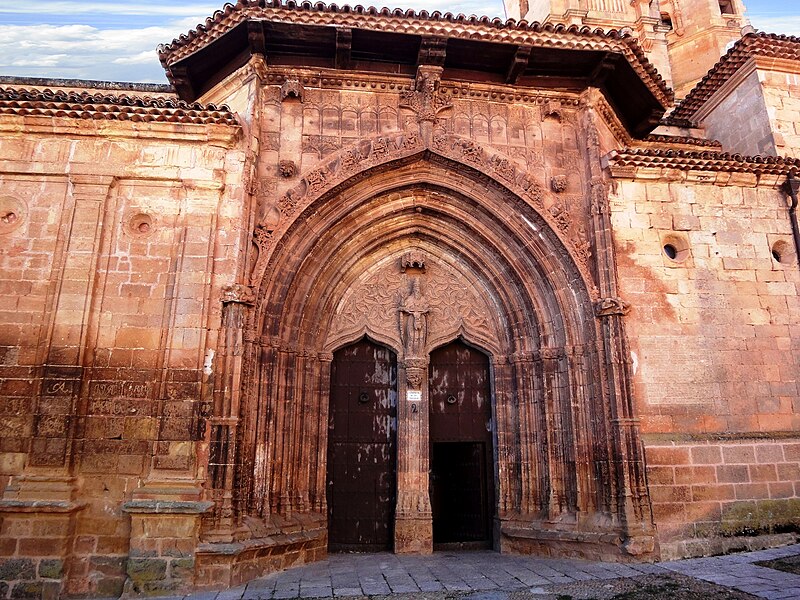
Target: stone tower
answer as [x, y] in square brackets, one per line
[682, 38]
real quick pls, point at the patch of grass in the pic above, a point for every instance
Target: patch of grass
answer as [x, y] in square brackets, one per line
[790, 564]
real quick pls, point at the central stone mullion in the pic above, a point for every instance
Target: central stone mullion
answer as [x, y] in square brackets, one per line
[413, 531]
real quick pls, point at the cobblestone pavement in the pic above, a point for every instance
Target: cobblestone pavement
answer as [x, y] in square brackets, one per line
[490, 576]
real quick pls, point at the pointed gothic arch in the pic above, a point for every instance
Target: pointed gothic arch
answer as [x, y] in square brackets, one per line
[496, 269]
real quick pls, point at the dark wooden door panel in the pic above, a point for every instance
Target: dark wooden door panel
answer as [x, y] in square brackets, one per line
[462, 478]
[362, 434]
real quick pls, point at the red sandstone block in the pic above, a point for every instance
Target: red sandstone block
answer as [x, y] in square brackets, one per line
[8, 546]
[763, 473]
[732, 474]
[667, 455]
[703, 511]
[42, 546]
[738, 454]
[670, 493]
[706, 455]
[774, 422]
[85, 544]
[791, 452]
[788, 472]
[695, 475]
[769, 453]
[701, 493]
[112, 545]
[751, 491]
[657, 475]
[781, 490]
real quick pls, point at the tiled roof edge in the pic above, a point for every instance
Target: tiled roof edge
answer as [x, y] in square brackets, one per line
[102, 106]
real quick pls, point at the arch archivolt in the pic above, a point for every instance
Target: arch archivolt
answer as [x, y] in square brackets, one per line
[368, 157]
[413, 247]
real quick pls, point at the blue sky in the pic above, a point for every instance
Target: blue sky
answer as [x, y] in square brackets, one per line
[116, 40]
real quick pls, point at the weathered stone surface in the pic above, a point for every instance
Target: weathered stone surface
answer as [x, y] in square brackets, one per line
[177, 280]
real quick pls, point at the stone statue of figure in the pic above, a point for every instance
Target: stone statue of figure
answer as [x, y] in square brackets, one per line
[414, 311]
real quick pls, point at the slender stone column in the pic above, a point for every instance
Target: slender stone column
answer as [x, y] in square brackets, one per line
[413, 519]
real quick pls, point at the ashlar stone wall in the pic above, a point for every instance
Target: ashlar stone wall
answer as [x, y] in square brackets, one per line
[116, 239]
[712, 279]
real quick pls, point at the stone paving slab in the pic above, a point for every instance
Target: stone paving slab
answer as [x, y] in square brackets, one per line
[486, 575]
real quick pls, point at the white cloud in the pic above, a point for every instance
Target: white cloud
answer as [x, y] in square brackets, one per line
[787, 25]
[66, 7]
[143, 58]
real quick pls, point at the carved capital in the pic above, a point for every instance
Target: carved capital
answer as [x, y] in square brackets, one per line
[551, 353]
[605, 307]
[415, 363]
[238, 293]
[325, 357]
[414, 377]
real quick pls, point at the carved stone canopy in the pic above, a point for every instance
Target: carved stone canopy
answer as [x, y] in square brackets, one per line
[412, 260]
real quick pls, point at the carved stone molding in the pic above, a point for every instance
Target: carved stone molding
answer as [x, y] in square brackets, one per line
[238, 293]
[357, 159]
[606, 307]
[558, 183]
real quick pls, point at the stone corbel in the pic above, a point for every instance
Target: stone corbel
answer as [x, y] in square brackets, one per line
[238, 294]
[606, 307]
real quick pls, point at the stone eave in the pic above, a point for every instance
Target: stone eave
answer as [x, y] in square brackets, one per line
[469, 48]
[110, 107]
[708, 166]
[785, 50]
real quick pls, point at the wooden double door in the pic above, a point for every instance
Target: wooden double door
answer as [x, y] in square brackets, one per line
[362, 447]
[461, 447]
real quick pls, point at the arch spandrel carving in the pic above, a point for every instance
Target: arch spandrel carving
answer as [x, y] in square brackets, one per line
[375, 155]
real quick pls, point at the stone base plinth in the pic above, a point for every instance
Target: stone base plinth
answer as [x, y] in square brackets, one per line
[413, 536]
[589, 545]
[300, 541]
[164, 535]
[35, 540]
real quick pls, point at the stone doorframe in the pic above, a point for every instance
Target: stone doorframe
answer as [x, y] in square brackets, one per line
[570, 464]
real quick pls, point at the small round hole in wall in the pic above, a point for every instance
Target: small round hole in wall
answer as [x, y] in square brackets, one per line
[783, 252]
[12, 214]
[675, 248]
[140, 225]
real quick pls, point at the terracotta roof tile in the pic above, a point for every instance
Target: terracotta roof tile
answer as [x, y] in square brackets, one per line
[752, 44]
[419, 23]
[84, 105]
[711, 160]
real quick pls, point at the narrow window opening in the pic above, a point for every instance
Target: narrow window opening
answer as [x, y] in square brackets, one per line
[726, 7]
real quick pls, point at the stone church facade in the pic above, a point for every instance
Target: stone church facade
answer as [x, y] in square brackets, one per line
[370, 279]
